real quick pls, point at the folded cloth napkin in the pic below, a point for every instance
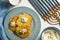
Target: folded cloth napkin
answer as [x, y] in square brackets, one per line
[3, 11]
[2, 33]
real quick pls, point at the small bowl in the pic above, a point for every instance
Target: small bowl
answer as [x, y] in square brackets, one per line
[54, 28]
[14, 2]
[10, 3]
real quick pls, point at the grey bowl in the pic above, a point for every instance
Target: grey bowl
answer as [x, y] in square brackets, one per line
[54, 28]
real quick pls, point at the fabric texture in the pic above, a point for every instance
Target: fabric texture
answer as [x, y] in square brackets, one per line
[4, 8]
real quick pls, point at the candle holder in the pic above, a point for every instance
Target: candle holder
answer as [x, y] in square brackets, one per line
[55, 16]
[48, 10]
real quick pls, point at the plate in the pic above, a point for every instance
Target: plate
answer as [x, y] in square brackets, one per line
[35, 26]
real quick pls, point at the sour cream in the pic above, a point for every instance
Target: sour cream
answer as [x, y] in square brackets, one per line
[13, 24]
[23, 31]
[50, 34]
[24, 19]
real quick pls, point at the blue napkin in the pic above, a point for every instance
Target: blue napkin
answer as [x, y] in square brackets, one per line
[2, 33]
[3, 11]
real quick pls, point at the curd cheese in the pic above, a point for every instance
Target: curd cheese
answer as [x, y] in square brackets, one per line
[50, 35]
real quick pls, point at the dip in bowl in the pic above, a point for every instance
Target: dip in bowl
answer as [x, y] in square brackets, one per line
[50, 33]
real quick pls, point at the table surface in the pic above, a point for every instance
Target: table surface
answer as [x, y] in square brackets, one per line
[44, 24]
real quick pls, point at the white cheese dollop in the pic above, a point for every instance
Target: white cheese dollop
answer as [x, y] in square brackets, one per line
[12, 24]
[24, 19]
[23, 31]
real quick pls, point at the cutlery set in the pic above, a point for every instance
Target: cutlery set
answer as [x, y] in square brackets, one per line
[49, 10]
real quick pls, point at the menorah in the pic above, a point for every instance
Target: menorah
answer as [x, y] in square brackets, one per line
[54, 16]
[49, 10]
